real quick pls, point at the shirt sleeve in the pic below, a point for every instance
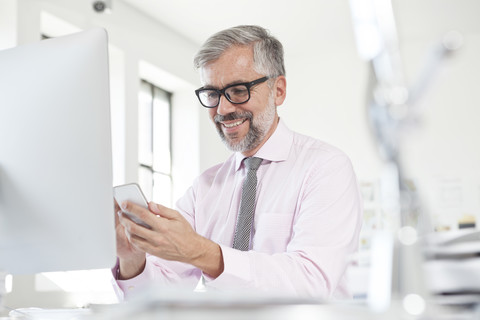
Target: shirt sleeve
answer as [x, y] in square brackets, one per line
[325, 233]
[159, 271]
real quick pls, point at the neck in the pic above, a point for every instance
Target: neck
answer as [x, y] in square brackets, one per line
[252, 152]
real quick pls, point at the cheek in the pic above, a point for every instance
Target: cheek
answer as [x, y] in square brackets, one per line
[259, 106]
[212, 113]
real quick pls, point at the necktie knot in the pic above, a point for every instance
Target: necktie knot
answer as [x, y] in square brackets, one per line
[253, 163]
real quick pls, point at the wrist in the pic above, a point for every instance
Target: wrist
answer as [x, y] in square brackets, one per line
[128, 269]
[210, 258]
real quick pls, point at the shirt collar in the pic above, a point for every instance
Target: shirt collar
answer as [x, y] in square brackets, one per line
[275, 149]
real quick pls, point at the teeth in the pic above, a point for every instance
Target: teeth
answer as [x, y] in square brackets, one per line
[234, 124]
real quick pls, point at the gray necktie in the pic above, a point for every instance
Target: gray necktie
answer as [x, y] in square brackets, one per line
[241, 241]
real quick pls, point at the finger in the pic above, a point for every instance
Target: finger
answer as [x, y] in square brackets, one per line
[124, 220]
[135, 229]
[118, 214]
[116, 208]
[131, 236]
[142, 244]
[139, 211]
[148, 218]
[162, 211]
[133, 241]
[157, 225]
[115, 203]
[131, 207]
[127, 222]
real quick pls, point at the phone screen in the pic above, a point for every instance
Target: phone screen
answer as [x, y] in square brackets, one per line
[131, 192]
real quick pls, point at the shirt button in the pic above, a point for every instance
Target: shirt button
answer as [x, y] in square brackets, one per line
[131, 287]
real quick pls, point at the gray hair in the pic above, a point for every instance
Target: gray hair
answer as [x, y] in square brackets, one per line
[267, 50]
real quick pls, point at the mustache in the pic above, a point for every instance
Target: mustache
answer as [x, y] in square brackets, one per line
[232, 116]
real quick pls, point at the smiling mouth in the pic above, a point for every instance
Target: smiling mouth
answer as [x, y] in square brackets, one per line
[234, 124]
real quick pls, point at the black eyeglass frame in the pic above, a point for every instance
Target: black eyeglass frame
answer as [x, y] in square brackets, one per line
[221, 92]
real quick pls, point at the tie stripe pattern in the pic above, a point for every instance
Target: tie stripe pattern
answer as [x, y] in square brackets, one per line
[241, 240]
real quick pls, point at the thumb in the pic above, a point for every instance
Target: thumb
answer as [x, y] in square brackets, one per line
[117, 212]
[162, 211]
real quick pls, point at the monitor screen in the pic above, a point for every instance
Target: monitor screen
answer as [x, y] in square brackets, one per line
[56, 202]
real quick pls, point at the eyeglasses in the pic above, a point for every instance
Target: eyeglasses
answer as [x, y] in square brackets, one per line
[237, 93]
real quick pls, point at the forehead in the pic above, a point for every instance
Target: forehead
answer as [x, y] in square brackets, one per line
[234, 65]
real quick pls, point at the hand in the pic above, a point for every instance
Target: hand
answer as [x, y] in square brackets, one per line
[131, 259]
[171, 237]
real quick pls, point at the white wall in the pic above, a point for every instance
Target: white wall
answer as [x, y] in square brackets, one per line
[326, 86]
[139, 47]
[442, 154]
[326, 99]
[134, 38]
[326, 89]
[326, 93]
[8, 26]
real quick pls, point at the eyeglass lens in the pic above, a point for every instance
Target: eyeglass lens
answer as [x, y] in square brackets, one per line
[235, 94]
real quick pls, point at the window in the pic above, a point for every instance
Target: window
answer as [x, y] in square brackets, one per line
[154, 145]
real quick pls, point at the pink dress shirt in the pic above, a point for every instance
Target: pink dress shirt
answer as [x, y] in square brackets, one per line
[307, 222]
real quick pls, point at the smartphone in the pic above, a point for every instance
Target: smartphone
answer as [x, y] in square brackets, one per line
[131, 192]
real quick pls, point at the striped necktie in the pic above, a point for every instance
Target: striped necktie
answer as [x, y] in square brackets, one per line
[241, 241]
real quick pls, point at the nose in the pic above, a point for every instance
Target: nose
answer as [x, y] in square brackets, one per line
[224, 106]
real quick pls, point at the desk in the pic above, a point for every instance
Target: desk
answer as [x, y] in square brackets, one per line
[150, 310]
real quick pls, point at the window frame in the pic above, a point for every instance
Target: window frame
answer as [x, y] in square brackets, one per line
[151, 167]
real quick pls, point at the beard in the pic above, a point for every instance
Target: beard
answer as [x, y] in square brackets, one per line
[258, 128]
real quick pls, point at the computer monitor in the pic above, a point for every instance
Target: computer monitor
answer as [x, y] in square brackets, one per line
[56, 202]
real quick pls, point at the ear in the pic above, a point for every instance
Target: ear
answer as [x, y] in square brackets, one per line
[280, 90]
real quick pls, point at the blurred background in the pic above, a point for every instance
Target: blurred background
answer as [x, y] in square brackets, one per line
[162, 137]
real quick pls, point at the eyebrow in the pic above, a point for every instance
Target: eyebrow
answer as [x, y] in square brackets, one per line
[229, 84]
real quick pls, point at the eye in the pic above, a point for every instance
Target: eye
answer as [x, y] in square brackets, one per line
[210, 94]
[238, 91]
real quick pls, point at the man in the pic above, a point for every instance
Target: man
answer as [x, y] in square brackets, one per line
[307, 209]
